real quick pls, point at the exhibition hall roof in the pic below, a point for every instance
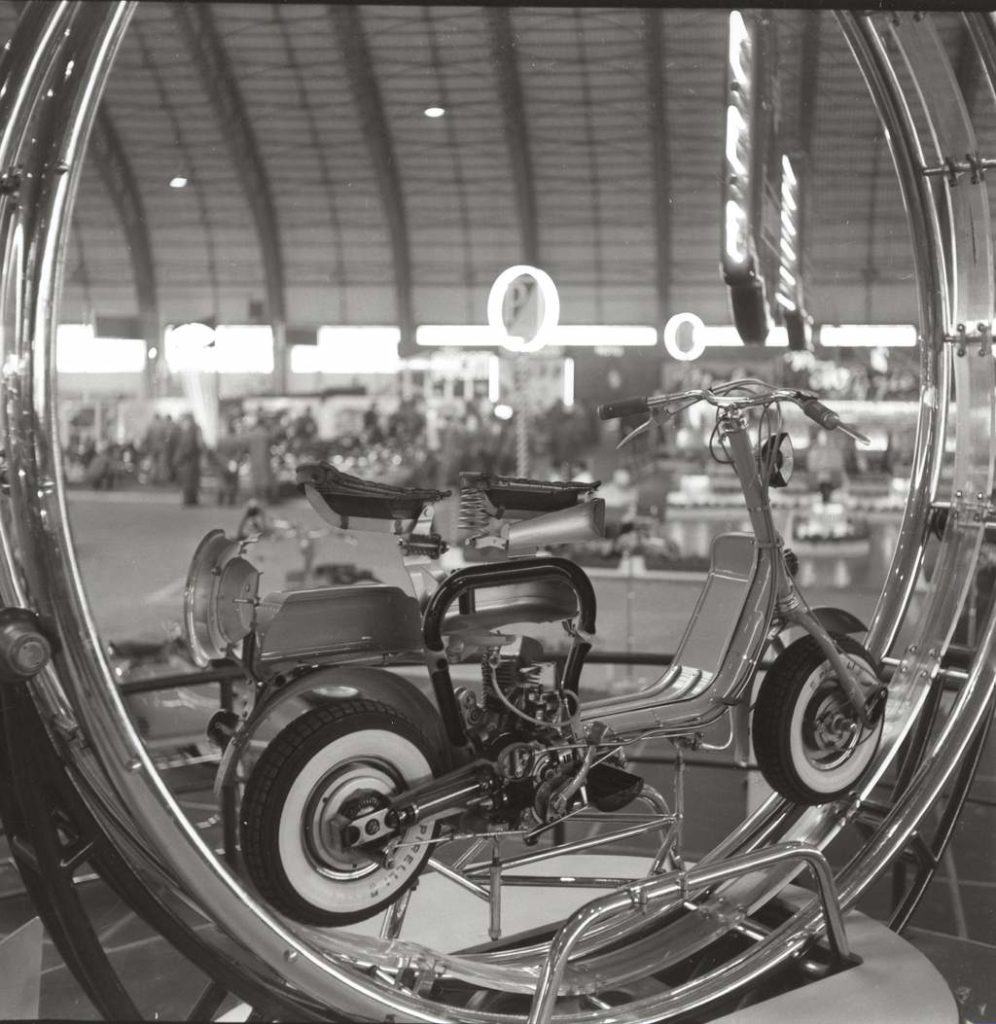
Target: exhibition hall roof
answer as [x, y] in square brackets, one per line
[378, 164]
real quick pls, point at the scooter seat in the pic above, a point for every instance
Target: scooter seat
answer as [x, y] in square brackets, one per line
[348, 495]
[548, 600]
[520, 494]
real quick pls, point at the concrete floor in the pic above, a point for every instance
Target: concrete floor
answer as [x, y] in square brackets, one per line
[134, 548]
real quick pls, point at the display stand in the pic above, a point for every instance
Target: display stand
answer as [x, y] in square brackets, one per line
[893, 983]
[20, 972]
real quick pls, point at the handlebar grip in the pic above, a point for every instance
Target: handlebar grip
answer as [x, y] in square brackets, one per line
[819, 413]
[624, 407]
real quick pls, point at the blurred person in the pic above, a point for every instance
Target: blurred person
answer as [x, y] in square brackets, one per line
[101, 469]
[304, 429]
[825, 462]
[258, 442]
[372, 429]
[228, 458]
[154, 447]
[171, 437]
[187, 459]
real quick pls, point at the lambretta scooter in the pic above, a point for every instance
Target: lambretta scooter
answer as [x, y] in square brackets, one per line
[358, 788]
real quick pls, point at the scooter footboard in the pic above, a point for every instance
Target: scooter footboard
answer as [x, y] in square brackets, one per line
[717, 651]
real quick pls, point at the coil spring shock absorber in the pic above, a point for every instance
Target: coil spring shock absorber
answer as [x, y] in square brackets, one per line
[473, 515]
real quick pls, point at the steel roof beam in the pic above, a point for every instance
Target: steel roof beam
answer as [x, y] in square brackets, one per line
[356, 59]
[659, 135]
[204, 43]
[119, 178]
[503, 47]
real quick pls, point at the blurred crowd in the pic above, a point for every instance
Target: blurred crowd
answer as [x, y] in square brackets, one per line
[258, 450]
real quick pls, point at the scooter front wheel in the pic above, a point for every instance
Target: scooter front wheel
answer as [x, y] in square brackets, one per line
[332, 763]
[810, 744]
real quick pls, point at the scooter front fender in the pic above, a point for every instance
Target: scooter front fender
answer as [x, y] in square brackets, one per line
[838, 620]
[327, 683]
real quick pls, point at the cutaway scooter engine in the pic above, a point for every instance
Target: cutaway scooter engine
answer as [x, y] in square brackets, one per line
[534, 765]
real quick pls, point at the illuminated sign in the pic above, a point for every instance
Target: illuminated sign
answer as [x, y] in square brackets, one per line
[523, 307]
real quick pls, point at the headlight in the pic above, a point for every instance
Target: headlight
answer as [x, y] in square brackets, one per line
[784, 459]
[219, 598]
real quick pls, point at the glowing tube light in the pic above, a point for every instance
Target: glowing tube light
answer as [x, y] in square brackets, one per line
[568, 393]
[702, 337]
[788, 174]
[736, 139]
[78, 350]
[868, 335]
[494, 379]
[563, 335]
[739, 56]
[457, 335]
[736, 232]
[595, 335]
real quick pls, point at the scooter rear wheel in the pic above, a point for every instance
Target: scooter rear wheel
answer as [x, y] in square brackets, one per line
[808, 740]
[336, 761]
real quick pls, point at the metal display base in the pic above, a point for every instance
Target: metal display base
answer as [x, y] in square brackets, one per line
[893, 984]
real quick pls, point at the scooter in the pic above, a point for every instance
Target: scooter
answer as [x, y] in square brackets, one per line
[363, 778]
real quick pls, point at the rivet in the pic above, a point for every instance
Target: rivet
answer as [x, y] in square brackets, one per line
[290, 955]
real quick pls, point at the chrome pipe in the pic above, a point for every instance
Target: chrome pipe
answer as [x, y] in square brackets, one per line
[668, 886]
[932, 301]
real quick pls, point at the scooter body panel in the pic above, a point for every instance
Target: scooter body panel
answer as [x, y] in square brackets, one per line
[713, 663]
[328, 683]
[307, 627]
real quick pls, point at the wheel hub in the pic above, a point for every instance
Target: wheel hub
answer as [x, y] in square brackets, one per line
[832, 730]
[346, 794]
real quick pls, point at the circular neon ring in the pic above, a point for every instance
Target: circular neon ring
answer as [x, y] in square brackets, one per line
[671, 345]
[551, 307]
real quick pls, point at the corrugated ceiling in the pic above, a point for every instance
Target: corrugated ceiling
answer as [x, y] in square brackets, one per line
[562, 144]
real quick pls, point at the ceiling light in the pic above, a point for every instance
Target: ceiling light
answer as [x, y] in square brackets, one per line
[434, 111]
[178, 181]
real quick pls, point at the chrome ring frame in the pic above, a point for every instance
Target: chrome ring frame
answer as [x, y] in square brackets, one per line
[52, 79]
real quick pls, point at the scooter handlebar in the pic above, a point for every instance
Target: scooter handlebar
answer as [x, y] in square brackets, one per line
[624, 407]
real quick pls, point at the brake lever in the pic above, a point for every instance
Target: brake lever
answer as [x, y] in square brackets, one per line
[641, 429]
[853, 433]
